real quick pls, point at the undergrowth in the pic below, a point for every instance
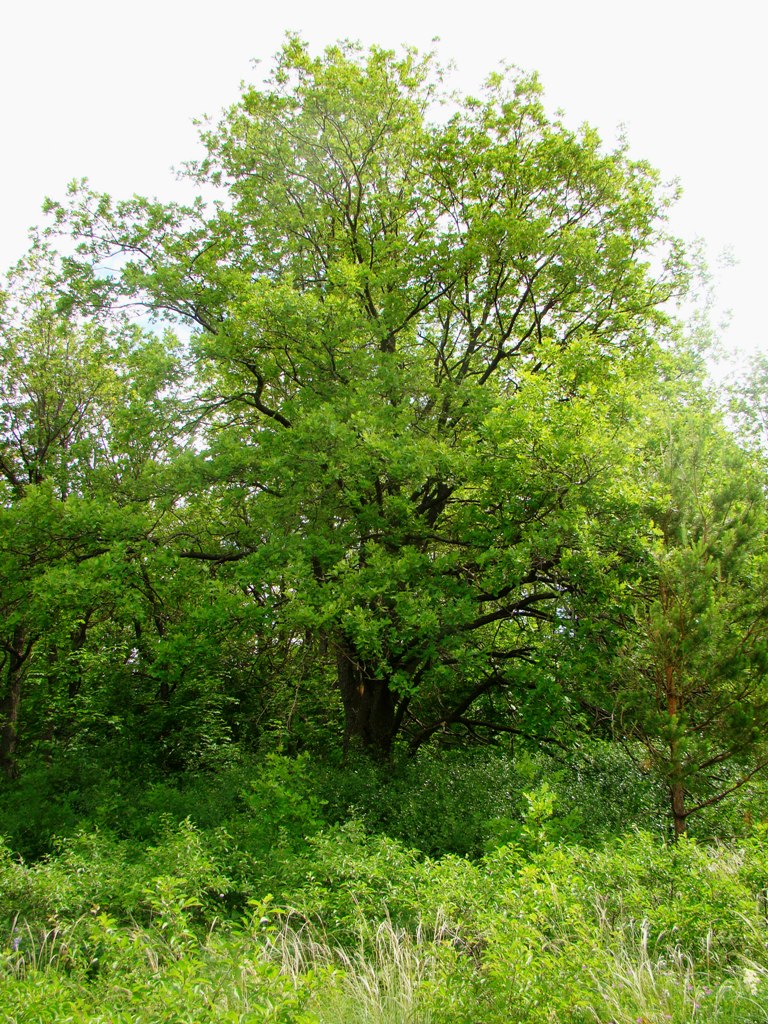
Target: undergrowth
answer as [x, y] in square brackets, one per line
[274, 896]
[361, 928]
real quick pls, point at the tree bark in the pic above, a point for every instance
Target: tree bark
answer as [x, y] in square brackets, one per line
[369, 703]
[676, 787]
[16, 656]
[677, 800]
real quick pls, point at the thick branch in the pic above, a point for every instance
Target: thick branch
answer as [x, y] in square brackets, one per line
[727, 792]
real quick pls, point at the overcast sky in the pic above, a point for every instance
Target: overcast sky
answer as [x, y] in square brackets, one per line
[109, 91]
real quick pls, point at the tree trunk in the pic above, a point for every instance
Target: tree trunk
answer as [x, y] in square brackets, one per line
[677, 800]
[676, 787]
[369, 703]
[16, 656]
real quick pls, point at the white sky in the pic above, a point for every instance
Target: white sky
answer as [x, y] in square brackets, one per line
[109, 91]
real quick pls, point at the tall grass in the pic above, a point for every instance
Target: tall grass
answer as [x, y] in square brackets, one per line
[285, 972]
[365, 929]
[389, 976]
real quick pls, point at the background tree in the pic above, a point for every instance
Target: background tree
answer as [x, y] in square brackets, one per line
[82, 419]
[688, 675]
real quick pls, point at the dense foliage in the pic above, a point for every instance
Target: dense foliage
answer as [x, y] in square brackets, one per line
[381, 582]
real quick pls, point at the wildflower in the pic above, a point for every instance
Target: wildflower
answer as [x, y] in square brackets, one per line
[751, 980]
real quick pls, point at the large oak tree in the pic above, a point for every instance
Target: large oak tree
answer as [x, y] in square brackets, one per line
[417, 323]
